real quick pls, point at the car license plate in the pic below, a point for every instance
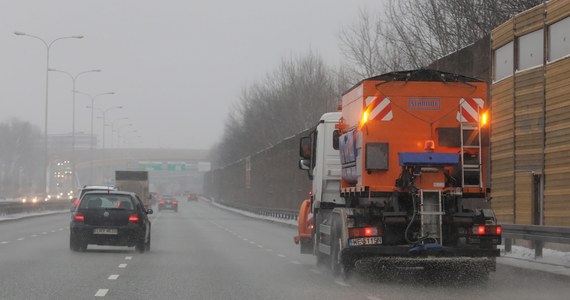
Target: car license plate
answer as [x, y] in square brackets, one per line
[377, 240]
[168, 206]
[105, 231]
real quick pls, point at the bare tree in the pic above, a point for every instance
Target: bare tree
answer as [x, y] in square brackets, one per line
[288, 101]
[414, 33]
[20, 156]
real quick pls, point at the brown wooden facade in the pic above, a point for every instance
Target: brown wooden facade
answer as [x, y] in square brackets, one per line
[530, 123]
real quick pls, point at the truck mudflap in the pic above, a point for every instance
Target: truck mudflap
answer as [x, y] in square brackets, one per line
[419, 251]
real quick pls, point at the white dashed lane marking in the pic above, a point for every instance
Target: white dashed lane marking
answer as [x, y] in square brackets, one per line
[295, 262]
[342, 283]
[4, 242]
[54, 230]
[252, 242]
[101, 292]
[280, 255]
[113, 277]
[60, 229]
[259, 246]
[122, 266]
[316, 271]
[44, 232]
[34, 235]
[128, 257]
[373, 298]
[269, 250]
[20, 239]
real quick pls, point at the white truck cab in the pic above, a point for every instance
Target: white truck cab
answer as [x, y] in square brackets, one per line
[322, 160]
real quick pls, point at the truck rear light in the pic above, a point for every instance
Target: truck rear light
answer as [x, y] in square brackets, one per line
[78, 217]
[486, 230]
[364, 232]
[134, 218]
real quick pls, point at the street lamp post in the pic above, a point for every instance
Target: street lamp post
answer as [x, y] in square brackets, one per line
[48, 47]
[104, 113]
[119, 133]
[113, 128]
[73, 79]
[93, 98]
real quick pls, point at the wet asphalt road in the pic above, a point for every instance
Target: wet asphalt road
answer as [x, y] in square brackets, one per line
[203, 252]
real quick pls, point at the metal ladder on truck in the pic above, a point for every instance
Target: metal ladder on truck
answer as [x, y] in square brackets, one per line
[471, 152]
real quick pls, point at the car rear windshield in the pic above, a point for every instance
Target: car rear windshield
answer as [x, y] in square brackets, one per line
[107, 201]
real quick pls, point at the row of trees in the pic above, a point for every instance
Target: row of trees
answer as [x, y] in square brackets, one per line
[21, 159]
[409, 34]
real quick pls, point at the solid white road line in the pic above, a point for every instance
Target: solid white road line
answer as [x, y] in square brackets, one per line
[342, 283]
[101, 292]
[113, 277]
[122, 266]
[128, 257]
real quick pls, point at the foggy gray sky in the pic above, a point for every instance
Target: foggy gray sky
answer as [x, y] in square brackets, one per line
[176, 66]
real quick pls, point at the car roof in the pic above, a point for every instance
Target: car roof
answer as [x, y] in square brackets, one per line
[99, 187]
[110, 192]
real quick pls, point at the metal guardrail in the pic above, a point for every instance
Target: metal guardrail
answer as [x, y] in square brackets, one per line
[9, 208]
[285, 214]
[538, 234]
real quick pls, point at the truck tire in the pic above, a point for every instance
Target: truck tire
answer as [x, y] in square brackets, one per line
[340, 266]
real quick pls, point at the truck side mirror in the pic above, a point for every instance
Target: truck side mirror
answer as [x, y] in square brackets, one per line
[305, 164]
[305, 147]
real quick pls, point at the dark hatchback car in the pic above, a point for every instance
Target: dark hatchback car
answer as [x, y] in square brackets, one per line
[110, 218]
[168, 202]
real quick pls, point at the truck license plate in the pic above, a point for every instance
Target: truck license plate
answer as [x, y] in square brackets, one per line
[377, 240]
[105, 231]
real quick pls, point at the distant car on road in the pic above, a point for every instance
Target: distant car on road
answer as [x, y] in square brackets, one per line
[192, 197]
[168, 202]
[113, 218]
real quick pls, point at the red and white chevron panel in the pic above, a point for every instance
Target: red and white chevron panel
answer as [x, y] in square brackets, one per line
[468, 110]
[379, 110]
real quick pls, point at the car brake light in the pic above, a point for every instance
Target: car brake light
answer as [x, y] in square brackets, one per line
[499, 230]
[174, 202]
[78, 217]
[161, 202]
[134, 218]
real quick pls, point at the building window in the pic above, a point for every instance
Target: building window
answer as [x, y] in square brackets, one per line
[503, 62]
[531, 50]
[559, 39]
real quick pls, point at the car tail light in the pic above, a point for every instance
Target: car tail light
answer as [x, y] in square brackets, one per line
[134, 218]
[174, 202]
[161, 202]
[364, 232]
[486, 230]
[78, 217]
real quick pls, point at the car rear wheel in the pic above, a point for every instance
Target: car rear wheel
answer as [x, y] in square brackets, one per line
[147, 245]
[75, 244]
[141, 245]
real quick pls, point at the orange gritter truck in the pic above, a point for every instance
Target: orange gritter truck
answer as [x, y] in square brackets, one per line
[400, 175]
